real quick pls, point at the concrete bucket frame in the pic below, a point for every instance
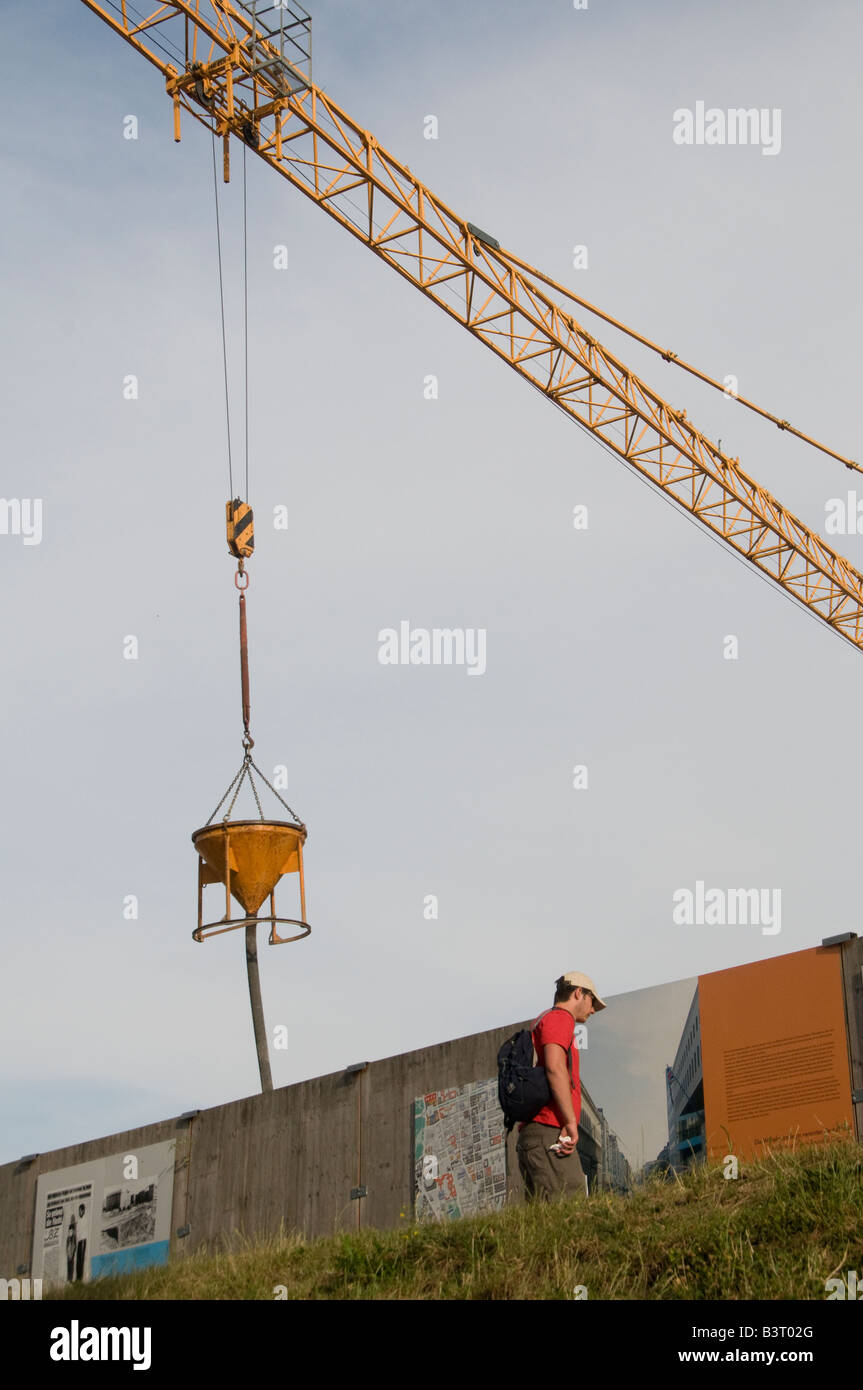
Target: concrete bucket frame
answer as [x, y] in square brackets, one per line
[249, 857]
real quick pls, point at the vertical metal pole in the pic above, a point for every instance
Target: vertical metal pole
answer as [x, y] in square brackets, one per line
[257, 1007]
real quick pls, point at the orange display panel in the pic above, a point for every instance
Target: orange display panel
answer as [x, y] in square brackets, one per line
[774, 1054]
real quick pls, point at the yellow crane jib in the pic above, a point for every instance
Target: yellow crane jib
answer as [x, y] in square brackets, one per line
[246, 72]
[241, 529]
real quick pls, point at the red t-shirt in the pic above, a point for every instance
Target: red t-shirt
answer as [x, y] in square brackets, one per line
[557, 1026]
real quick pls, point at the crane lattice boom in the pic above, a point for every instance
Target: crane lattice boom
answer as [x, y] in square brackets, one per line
[227, 65]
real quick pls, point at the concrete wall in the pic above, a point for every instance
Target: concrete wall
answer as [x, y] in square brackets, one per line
[293, 1155]
[18, 1184]
[290, 1156]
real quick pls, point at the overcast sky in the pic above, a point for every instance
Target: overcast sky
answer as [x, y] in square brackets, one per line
[604, 647]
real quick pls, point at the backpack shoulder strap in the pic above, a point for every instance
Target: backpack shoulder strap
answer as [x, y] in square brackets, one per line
[568, 1050]
[535, 1025]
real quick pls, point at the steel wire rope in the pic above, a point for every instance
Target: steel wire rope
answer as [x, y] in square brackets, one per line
[676, 506]
[170, 50]
[674, 358]
[246, 315]
[720, 542]
[222, 305]
[511, 261]
[164, 44]
[510, 258]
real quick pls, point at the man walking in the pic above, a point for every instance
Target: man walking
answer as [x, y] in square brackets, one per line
[547, 1173]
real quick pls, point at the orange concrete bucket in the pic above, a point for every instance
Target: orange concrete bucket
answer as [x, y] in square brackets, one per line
[249, 857]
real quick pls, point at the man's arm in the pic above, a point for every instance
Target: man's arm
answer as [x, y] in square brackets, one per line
[557, 1071]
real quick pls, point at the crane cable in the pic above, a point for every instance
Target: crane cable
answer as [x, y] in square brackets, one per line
[246, 316]
[239, 514]
[222, 307]
[245, 320]
[240, 522]
[511, 261]
[668, 356]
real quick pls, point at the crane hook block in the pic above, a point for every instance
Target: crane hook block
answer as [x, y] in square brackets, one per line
[241, 528]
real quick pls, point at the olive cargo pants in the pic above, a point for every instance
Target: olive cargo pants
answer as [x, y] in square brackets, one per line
[544, 1174]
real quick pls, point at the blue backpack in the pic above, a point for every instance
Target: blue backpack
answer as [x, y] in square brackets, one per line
[522, 1086]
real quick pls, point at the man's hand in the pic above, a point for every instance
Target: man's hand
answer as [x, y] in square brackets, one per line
[568, 1138]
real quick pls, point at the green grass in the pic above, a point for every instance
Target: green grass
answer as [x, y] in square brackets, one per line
[778, 1231]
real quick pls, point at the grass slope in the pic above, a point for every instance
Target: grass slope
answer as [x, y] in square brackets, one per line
[785, 1225]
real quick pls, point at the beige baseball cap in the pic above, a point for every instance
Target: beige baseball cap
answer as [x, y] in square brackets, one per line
[575, 977]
